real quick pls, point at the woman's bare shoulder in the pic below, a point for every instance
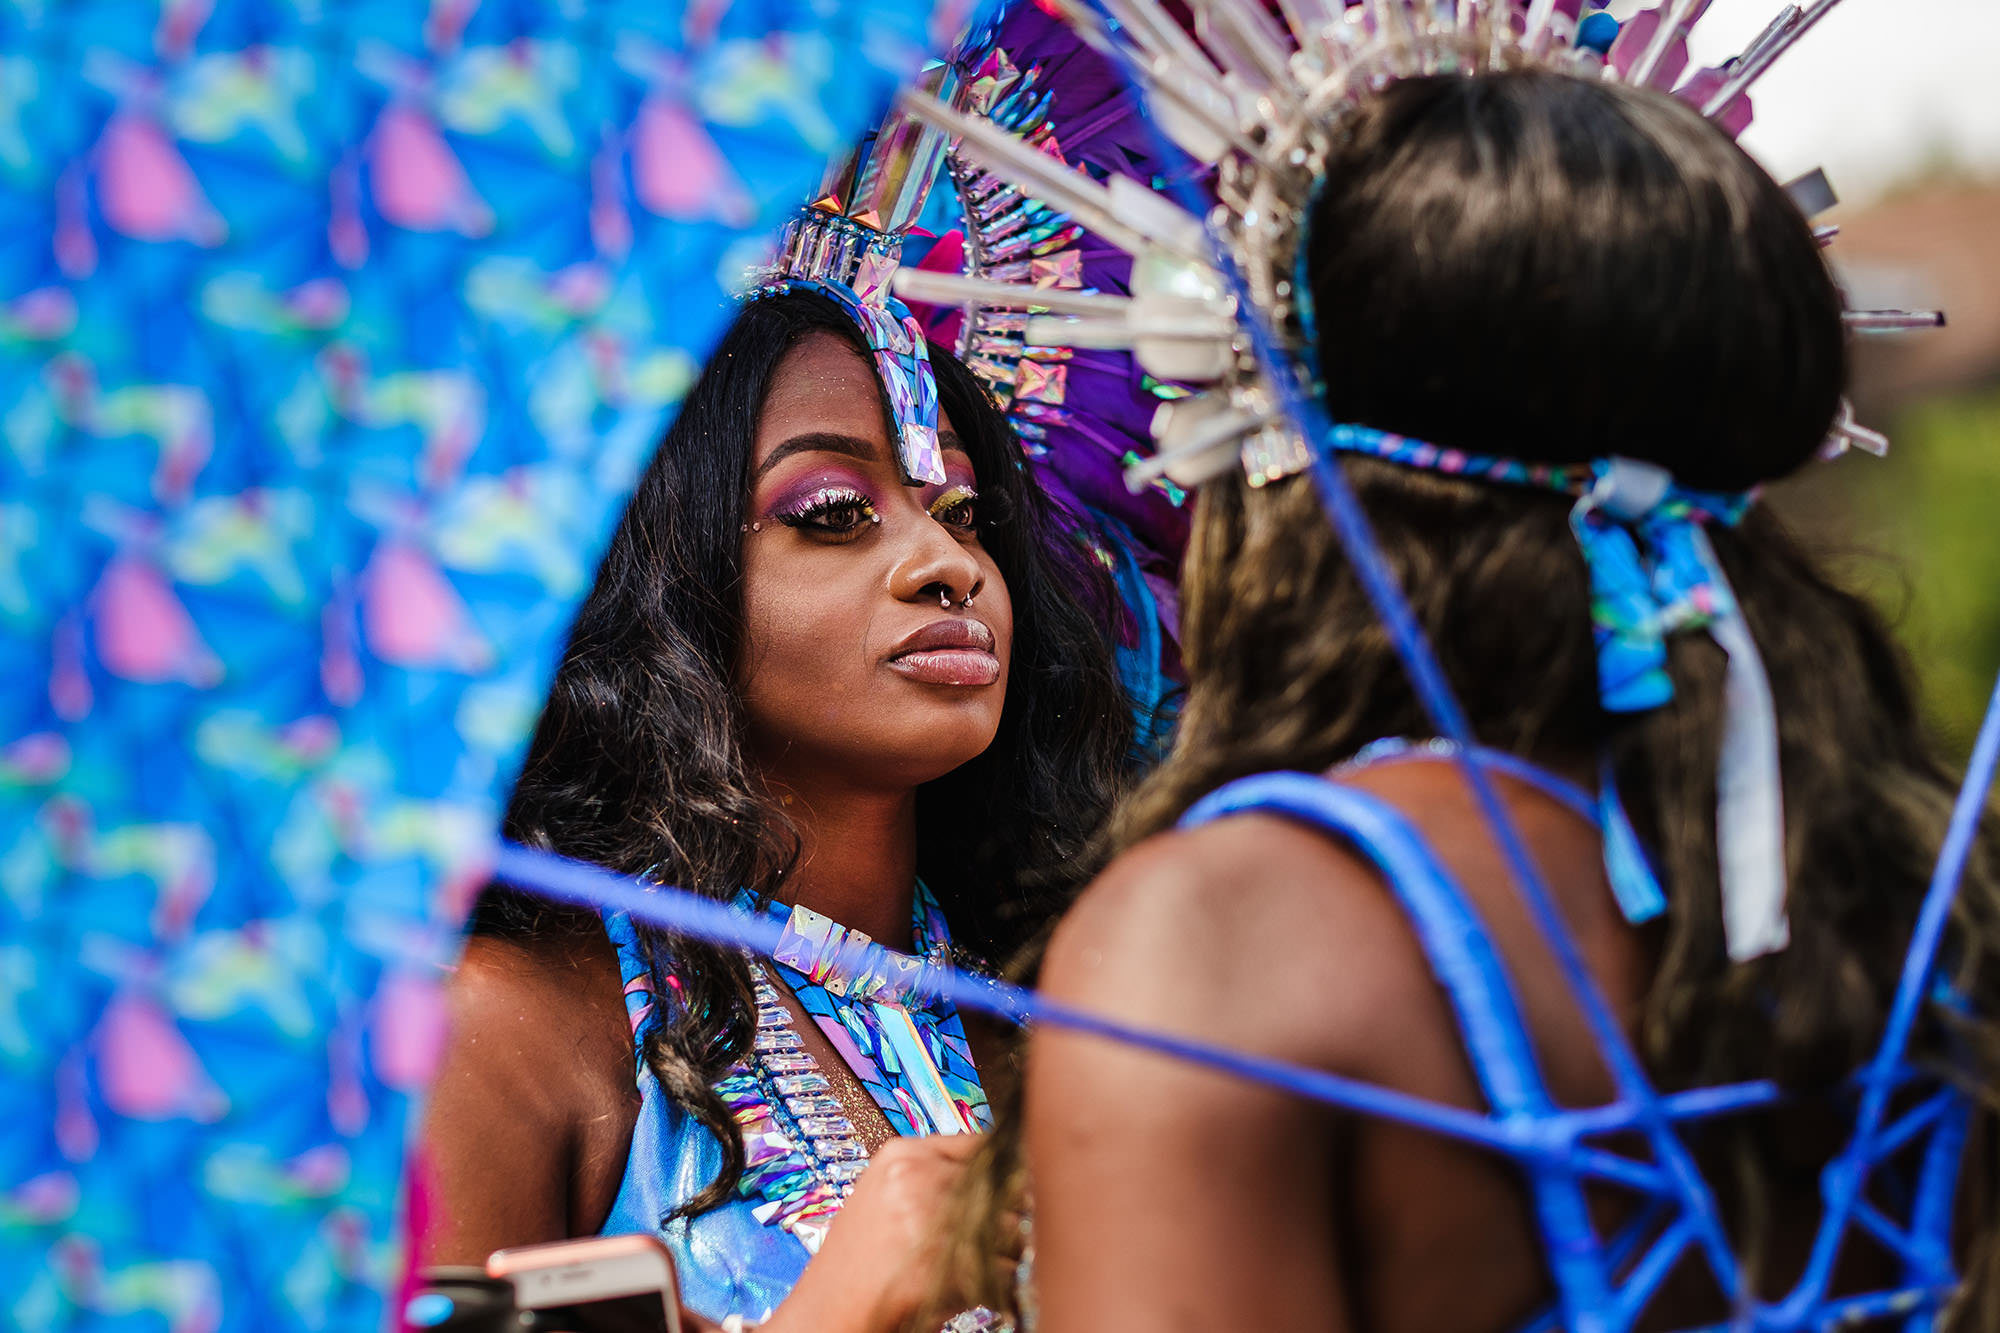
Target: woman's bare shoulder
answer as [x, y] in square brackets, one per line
[1249, 920]
[533, 1092]
[553, 1001]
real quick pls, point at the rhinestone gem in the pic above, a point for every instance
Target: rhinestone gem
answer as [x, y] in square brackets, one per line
[788, 1062]
[871, 280]
[1059, 270]
[825, 1126]
[803, 1085]
[805, 937]
[771, 1041]
[840, 1152]
[803, 1106]
[1043, 383]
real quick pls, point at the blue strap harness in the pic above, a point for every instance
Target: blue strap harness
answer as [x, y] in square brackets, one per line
[1604, 1284]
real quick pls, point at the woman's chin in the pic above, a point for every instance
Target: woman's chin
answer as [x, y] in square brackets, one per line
[924, 744]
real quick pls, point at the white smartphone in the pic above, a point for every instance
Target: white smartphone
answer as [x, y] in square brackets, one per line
[605, 1284]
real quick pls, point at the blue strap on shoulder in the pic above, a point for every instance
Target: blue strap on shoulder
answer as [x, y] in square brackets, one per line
[1454, 939]
[1605, 1284]
[1460, 952]
[1626, 865]
[634, 972]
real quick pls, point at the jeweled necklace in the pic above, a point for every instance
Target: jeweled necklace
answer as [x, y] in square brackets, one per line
[801, 1151]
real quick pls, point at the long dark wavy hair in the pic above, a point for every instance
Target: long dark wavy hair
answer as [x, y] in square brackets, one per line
[639, 763]
[1551, 269]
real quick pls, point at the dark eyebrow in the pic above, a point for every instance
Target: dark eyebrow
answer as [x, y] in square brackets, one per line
[819, 442]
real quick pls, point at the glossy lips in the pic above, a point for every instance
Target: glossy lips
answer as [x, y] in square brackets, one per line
[952, 651]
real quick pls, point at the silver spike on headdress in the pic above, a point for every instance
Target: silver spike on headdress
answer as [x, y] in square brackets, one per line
[852, 232]
[1260, 99]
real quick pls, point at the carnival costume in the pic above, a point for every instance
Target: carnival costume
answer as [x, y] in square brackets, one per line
[1218, 303]
[802, 1154]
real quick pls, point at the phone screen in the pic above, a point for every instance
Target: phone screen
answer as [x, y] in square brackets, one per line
[642, 1312]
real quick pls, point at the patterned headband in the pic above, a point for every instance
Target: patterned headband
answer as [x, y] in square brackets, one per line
[1653, 573]
[903, 363]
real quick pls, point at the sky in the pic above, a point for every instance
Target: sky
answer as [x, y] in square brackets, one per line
[1874, 92]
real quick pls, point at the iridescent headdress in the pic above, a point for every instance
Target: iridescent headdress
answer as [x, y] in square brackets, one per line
[1215, 289]
[911, 194]
[846, 244]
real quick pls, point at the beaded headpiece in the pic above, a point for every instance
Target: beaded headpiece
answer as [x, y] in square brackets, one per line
[1217, 304]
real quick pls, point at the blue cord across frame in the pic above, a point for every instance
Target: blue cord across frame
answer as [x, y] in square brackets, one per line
[1604, 1284]
[1558, 1143]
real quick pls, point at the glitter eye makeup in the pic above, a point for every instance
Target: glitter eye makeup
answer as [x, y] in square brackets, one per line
[828, 510]
[955, 507]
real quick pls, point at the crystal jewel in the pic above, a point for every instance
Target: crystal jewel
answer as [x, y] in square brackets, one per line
[1043, 383]
[813, 1105]
[841, 1152]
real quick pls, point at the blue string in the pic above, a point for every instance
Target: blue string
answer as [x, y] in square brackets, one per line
[695, 917]
[707, 920]
[1848, 1173]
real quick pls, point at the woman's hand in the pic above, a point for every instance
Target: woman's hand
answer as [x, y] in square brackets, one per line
[882, 1253]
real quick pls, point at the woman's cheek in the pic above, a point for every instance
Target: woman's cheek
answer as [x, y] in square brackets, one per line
[804, 618]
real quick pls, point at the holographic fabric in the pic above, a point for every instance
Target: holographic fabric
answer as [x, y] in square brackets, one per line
[744, 1257]
[902, 362]
[331, 338]
[1651, 575]
[728, 1260]
[913, 1059]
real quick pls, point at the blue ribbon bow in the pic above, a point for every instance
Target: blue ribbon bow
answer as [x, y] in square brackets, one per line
[1652, 573]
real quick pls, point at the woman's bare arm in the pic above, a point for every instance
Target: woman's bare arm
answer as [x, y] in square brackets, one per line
[530, 1122]
[1168, 1197]
[536, 1067]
